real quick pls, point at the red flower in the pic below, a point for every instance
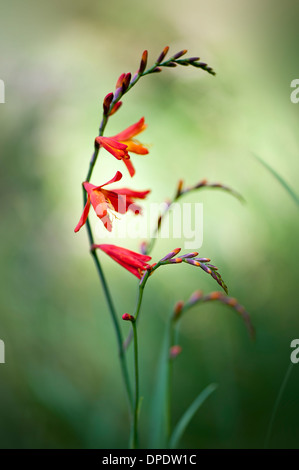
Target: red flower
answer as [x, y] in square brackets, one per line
[119, 200]
[130, 260]
[121, 144]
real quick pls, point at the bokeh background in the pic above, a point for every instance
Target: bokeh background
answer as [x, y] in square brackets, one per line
[60, 386]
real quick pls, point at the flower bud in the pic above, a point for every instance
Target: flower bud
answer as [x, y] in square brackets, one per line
[190, 255]
[174, 351]
[178, 308]
[195, 297]
[162, 55]
[107, 102]
[126, 82]
[179, 54]
[156, 69]
[143, 63]
[179, 188]
[143, 247]
[171, 254]
[120, 81]
[115, 107]
[128, 317]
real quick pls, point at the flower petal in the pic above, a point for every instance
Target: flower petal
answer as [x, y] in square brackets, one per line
[131, 193]
[134, 262]
[117, 149]
[135, 146]
[131, 131]
[84, 215]
[118, 176]
[98, 202]
[129, 166]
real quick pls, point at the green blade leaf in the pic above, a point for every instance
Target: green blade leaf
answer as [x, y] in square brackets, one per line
[279, 178]
[158, 425]
[188, 415]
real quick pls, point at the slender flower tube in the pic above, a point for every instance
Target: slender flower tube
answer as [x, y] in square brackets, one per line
[130, 260]
[122, 143]
[120, 200]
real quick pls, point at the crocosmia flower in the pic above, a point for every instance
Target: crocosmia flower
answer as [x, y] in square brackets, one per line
[130, 260]
[121, 144]
[102, 200]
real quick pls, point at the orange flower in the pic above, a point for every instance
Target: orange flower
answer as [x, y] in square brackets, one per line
[121, 144]
[130, 260]
[119, 200]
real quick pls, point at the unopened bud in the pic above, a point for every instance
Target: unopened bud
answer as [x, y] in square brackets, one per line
[162, 55]
[143, 63]
[107, 102]
[115, 107]
[143, 247]
[128, 317]
[175, 351]
[190, 255]
[120, 81]
[175, 260]
[215, 295]
[170, 64]
[195, 297]
[179, 188]
[157, 69]
[171, 254]
[178, 308]
[179, 54]
[200, 184]
[126, 82]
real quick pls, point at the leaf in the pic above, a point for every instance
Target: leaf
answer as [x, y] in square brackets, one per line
[188, 415]
[159, 422]
[279, 178]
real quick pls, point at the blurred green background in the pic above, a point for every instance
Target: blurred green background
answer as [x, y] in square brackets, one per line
[61, 386]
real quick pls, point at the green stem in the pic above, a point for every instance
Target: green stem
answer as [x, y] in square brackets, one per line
[169, 378]
[136, 400]
[129, 338]
[121, 351]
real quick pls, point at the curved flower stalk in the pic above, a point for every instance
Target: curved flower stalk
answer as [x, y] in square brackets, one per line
[171, 259]
[106, 201]
[199, 297]
[146, 247]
